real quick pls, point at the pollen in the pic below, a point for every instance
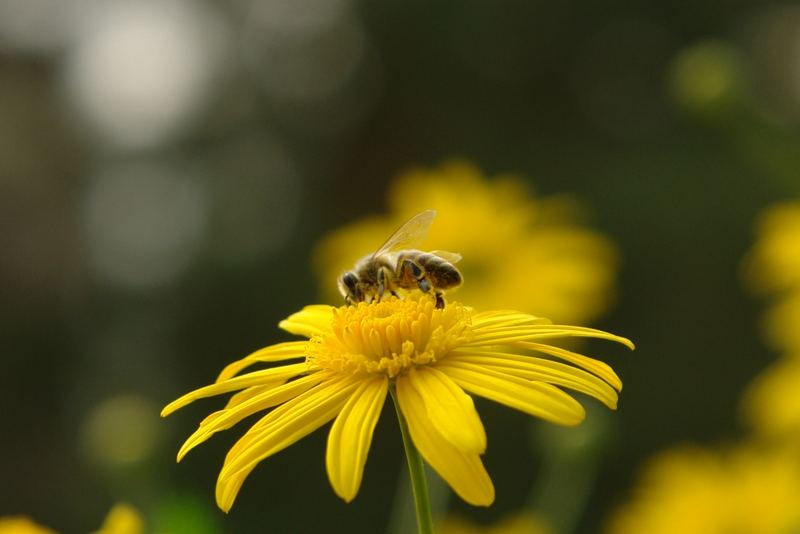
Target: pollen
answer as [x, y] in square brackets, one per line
[389, 337]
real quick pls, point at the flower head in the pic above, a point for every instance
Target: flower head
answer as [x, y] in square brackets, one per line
[522, 252]
[771, 404]
[121, 519]
[22, 525]
[773, 267]
[774, 263]
[433, 358]
[701, 491]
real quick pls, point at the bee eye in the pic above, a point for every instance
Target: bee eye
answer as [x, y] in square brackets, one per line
[350, 280]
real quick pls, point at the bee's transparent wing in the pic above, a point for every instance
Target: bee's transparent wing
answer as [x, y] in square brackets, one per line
[452, 257]
[410, 235]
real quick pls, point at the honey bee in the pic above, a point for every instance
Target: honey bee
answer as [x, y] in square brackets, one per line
[396, 265]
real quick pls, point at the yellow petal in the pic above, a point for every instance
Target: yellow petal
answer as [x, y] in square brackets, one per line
[228, 489]
[288, 423]
[535, 398]
[501, 335]
[463, 471]
[246, 394]
[224, 419]
[310, 321]
[449, 409]
[351, 435]
[275, 375]
[506, 318]
[273, 353]
[532, 368]
[601, 369]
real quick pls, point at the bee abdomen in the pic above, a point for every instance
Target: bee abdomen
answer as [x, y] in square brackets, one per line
[442, 272]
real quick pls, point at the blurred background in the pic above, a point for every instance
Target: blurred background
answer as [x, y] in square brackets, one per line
[168, 170]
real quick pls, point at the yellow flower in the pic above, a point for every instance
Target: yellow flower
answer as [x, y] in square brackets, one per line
[782, 323]
[22, 525]
[771, 404]
[745, 490]
[519, 252]
[432, 357]
[773, 267]
[523, 523]
[122, 519]
[774, 263]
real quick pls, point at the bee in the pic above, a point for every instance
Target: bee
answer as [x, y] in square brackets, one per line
[397, 265]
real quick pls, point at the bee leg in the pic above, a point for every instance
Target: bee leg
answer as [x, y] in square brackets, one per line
[424, 284]
[439, 300]
[416, 272]
[422, 281]
[382, 284]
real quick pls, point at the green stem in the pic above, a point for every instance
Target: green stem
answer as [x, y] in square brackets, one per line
[416, 470]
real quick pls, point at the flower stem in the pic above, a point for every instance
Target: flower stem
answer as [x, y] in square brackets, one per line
[416, 470]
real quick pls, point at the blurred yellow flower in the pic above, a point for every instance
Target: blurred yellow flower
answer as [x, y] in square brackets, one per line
[745, 490]
[771, 404]
[519, 252]
[774, 263]
[22, 525]
[773, 267]
[122, 519]
[431, 357]
[782, 323]
[522, 523]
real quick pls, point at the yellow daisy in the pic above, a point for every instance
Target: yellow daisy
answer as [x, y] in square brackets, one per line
[774, 262]
[122, 519]
[745, 490]
[22, 525]
[429, 358]
[773, 267]
[522, 252]
[771, 404]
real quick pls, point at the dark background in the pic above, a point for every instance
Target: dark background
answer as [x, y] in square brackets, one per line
[167, 167]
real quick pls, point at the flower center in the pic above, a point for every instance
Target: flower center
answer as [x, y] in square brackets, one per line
[389, 336]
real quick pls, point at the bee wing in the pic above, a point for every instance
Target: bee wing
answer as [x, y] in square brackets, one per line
[411, 234]
[452, 257]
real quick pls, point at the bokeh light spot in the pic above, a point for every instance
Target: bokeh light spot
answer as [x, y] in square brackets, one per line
[144, 223]
[705, 74]
[35, 26]
[309, 66]
[140, 70]
[120, 431]
[297, 16]
[186, 513]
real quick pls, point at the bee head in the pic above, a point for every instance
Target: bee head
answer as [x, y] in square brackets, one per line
[349, 287]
